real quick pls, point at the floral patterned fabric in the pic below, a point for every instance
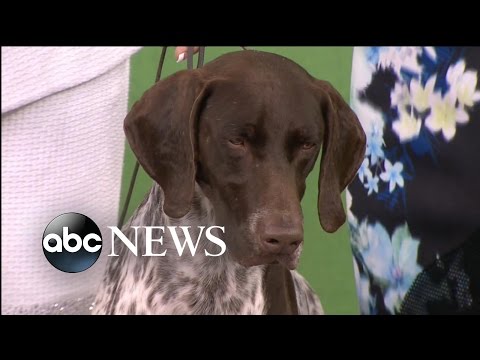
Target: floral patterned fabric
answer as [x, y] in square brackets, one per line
[416, 197]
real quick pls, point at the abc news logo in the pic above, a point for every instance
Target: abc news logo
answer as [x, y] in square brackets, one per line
[72, 242]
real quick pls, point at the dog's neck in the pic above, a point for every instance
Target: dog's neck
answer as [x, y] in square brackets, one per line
[194, 284]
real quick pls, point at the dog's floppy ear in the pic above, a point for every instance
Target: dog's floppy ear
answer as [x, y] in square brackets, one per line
[160, 130]
[343, 151]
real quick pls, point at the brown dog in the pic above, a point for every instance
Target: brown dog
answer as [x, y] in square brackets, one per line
[236, 140]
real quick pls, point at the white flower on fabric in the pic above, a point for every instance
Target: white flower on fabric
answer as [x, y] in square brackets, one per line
[454, 72]
[401, 58]
[361, 236]
[375, 144]
[364, 171]
[352, 220]
[430, 50]
[391, 262]
[463, 83]
[466, 93]
[370, 118]
[372, 184]
[362, 71]
[409, 58]
[363, 291]
[400, 96]
[378, 254]
[445, 115]
[405, 268]
[373, 124]
[421, 95]
[407, 127]
[348, 198]
[393, 174]
[387, 58]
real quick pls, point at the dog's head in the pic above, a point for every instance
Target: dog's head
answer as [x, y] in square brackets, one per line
[248, 127]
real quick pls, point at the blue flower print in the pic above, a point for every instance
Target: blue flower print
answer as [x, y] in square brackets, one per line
[372, 184]
[364, 171]
[393, 174]
[374, 145]
[391, 263]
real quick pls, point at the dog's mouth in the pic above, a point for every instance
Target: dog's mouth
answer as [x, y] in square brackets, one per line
[290, 261]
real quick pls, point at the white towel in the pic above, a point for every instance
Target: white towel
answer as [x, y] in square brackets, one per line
[62, 151]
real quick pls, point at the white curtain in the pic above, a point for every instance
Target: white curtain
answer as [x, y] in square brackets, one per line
[62, 151]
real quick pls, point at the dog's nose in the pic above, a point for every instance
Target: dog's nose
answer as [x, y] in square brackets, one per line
[281, 240]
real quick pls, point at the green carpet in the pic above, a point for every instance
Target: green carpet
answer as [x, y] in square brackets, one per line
[326, 261]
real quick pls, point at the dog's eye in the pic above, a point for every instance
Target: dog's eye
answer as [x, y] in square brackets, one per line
[237, 141]
[308, 145]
